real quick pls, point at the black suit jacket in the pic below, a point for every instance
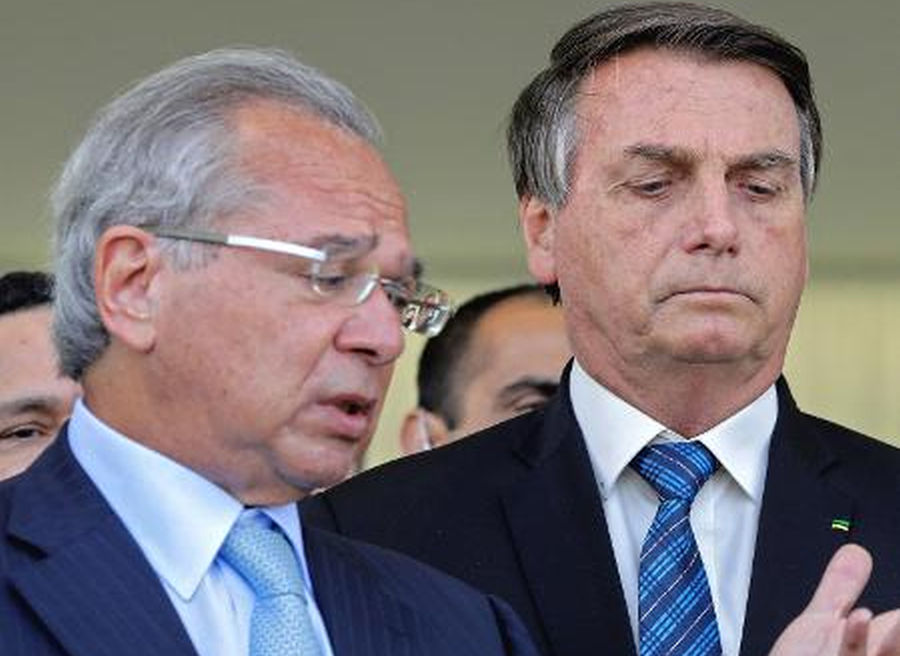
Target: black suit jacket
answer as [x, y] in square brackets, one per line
[515, 510]
[73, 582]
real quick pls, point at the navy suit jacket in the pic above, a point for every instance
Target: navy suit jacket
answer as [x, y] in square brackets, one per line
[73, 582]
[515, 511]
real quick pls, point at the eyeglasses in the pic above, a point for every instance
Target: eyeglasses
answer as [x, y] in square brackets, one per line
[335, 274]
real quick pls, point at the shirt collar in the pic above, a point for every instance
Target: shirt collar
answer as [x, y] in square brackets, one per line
[616, 431]
[178, 518]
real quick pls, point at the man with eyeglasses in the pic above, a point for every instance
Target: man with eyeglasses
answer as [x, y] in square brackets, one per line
[234, 270]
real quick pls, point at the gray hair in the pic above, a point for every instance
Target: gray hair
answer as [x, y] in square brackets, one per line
[162, 153]
[542, 137]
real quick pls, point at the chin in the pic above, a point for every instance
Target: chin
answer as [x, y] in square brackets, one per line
[709, 347]
[332, 474]
[711, 353]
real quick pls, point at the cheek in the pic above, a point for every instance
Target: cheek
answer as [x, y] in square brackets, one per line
[298, 350]
[607, 271]
[15, 457]
[784, 261]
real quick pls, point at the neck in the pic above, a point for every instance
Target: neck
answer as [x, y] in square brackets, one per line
[689, 398]
[124, 396]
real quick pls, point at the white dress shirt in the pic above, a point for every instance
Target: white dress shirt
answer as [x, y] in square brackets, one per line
[724, 515]
[180, 520]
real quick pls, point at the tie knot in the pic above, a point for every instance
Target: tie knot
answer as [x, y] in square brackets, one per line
[676, 470]
[264, 557]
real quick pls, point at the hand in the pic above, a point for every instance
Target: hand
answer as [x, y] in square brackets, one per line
[830, 626]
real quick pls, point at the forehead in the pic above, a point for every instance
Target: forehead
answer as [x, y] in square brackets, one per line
[686, 99]
[317, 177]
[26, 351]
[517, 333]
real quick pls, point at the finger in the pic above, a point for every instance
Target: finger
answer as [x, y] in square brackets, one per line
[856, 633]
[843, 581]
[884, 635]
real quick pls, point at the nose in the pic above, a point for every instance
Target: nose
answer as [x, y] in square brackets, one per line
[713, 222]
[373, 330]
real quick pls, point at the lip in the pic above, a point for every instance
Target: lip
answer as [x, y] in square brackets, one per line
[348, 415]
[712, 292]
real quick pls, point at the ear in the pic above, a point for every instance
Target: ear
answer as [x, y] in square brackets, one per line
[538, 227]
[422, 430]
[126, 267]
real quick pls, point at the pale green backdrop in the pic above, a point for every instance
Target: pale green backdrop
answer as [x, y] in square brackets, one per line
[441, 76]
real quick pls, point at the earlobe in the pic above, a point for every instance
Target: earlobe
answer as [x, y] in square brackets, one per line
[538, 227]
[421, 431]
[125, 268]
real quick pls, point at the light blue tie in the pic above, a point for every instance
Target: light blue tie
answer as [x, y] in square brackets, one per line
[279, 624]
[676, 614]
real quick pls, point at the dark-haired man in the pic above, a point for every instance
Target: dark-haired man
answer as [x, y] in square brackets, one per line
[499, 355]
[35, 398]
[672, 498]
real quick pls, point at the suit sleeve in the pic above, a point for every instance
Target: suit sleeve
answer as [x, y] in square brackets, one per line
[515, 638]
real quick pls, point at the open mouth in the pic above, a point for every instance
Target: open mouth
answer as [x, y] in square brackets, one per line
[354, 406]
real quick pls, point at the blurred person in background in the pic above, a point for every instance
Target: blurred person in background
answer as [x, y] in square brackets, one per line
[501, 354]
[35, 398]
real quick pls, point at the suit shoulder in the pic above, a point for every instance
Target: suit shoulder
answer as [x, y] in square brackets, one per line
[451, 606]
[462, 474]
[849, 442]
[400, 573]
[862, 463]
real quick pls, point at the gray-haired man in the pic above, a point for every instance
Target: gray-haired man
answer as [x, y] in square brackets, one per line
[234, 268]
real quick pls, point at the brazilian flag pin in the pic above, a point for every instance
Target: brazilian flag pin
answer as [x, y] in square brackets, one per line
[840, 524]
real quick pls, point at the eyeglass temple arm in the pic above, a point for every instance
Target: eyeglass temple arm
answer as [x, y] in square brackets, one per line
[258, 243]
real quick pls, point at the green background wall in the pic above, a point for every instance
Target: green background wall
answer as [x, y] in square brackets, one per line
[441, 75]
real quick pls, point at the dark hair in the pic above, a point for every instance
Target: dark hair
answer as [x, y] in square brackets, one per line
[542, 137]
[20, 290]
[444, 356]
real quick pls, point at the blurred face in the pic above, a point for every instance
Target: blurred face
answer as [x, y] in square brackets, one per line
[683, 243]
[283, 388]
[517, 353]
[34, 399]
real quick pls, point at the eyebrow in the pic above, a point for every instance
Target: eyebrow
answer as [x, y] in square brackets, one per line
[29, 404]
[773, 159]
[682, 158]
[545, 386]
[340, 244]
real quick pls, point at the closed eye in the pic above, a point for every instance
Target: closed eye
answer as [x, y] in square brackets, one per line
[651, 188]
[329, 283]
[761, 190]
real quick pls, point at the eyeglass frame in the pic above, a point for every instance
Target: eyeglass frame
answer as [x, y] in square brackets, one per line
[413, 302]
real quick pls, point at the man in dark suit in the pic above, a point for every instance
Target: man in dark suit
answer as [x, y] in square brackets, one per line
[233, 271]
[664, 161]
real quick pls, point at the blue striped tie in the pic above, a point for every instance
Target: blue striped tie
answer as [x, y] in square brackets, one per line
[676, 614]
[280, 623]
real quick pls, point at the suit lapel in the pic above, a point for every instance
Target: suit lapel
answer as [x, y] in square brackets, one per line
[361, 619]
[556, 520]
[80, 570]
[795, 538]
